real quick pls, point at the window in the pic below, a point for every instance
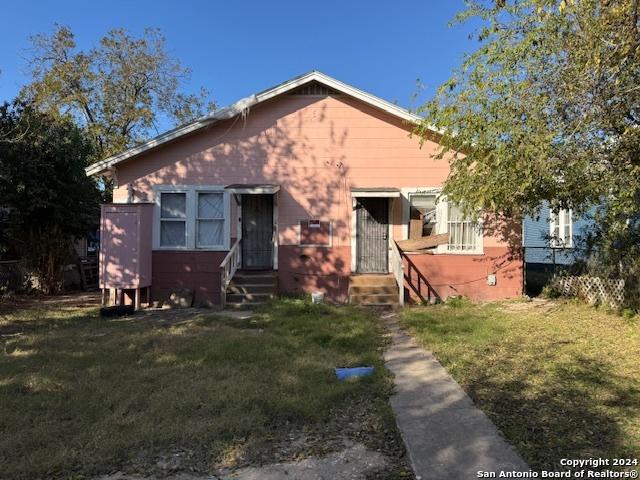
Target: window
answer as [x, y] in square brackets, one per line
[191, 217]
[173, 219]
[422, 215]
[428, 213]
[210, 219]
[464, 233]
[561, 228]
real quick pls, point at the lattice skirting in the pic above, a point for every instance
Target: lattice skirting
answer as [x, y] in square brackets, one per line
[595, 290]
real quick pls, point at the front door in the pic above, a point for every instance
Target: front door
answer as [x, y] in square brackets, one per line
[257, 232]
[372, 233]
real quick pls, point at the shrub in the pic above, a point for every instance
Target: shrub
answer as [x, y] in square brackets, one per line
[550, 291]
[458, 301]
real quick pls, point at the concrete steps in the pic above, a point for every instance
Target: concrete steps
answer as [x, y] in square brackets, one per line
[251, 288]
[373, 290]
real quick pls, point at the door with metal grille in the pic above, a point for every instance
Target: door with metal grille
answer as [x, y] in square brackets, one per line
[372, 235]
[257, 232]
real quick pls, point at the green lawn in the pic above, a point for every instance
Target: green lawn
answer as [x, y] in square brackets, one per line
[560, 379]
[82, 395]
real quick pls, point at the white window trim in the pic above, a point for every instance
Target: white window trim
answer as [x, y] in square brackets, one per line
[442, 214]
[224, 219]
[354, 228]
[561, 241]
[191, 192]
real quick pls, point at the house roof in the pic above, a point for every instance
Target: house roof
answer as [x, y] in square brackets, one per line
[242, 105]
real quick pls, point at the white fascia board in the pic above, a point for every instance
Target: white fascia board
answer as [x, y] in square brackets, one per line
[223, 114]
[343, 88]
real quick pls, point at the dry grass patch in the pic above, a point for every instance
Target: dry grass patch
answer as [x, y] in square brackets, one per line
[560, 379]
[83, 396]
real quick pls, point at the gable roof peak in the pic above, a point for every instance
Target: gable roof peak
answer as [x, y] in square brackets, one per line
[243, 105]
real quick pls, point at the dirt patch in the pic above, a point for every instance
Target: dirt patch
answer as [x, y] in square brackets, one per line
[351, 463]
[71, 300]
[537, 305]
[246, 406]
[20, 314]
[176, 316]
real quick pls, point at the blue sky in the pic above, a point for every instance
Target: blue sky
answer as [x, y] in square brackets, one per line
[236, 48]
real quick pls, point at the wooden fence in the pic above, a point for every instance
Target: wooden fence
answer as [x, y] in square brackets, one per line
[595, 290]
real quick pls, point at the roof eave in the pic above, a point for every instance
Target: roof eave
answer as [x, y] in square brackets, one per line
[223, 114]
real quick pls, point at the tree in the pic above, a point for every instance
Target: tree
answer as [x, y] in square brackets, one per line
[547, 107]
[117, 90]
[46, 199]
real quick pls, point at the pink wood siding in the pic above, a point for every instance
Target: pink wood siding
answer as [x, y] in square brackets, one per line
[125, 253]
[317, 149]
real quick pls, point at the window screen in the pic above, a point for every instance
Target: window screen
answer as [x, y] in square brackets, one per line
[173, 220]
[210, 219]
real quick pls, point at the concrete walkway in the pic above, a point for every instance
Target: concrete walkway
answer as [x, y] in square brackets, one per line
[446, 436]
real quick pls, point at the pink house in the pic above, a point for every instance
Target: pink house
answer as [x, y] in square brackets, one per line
[305, 187]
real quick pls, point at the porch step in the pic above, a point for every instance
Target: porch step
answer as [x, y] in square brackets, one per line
[372, 280]
[259, 277]
[374, 299]
[250, 289]
[373, 290]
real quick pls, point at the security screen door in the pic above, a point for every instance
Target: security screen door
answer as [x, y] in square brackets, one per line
[372, 235]
[257, 232]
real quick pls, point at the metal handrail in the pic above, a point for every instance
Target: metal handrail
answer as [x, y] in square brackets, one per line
[397, 270]
[228, 269]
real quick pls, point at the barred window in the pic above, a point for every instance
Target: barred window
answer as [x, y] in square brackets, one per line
[464, 233]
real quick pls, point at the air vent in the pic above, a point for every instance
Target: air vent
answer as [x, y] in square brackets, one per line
[314, 88]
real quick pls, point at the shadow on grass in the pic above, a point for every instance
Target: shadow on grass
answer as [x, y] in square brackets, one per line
[83, 395]
[566, 415]
[550, 400]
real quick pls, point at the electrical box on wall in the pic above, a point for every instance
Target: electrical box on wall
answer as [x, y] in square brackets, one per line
[491, 280]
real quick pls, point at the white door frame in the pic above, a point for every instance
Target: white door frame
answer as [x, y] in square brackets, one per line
[354, 228]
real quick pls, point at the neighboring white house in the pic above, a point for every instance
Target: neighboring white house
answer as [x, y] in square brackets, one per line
[553, 237]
